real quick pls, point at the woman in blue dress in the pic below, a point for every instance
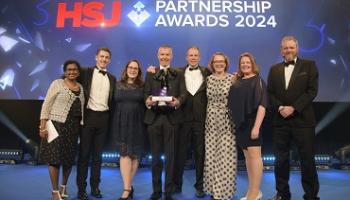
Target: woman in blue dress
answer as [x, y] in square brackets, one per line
[128, 130]
[247, 103]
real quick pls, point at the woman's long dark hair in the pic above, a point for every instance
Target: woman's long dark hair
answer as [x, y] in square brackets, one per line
[138, 80]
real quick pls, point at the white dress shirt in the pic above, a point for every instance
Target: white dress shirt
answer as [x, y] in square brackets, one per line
[99, 92]
[288, 70]
[193, 80]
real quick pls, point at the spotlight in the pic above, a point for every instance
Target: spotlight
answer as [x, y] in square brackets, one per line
[110, 159]
[146, 160]
[10, 156]
[33, 150]
[30, 144]
[323, 161]
[268, 160]
[341, 155]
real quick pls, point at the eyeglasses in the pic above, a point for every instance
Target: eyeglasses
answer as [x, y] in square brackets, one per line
[218, 61]
[133, 68]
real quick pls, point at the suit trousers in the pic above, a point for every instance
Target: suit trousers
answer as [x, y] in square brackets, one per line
[92, 140]
[191, 135]
[161, 136]
[304, 139]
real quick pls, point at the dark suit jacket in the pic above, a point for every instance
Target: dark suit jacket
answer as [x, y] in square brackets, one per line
[195, 107]
[85, 79]
[176, 89]
[300, 93]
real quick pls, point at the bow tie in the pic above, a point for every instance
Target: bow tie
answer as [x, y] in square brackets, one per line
[193, 68]
[101, 71]
[286, 64]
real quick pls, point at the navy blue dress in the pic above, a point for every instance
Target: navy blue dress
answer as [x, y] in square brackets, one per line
[128, 128]
[245, 96]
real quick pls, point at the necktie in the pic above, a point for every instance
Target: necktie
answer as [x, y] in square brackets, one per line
[194, 68]
[164, 71]
[287, 63]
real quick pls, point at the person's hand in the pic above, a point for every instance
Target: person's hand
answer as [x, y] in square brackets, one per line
[151, 69]
[254, 133]
[174, 103]
[149, 102]
[287, 111]
[43, 132]
[234, 76]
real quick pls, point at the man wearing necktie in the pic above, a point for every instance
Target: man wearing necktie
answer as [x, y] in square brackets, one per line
[192, 131]
[98, 87]
[163, 119]
[292, 86]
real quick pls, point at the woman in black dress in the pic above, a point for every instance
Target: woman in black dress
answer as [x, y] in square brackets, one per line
[128, 128]
[247, 103]
[63, 106]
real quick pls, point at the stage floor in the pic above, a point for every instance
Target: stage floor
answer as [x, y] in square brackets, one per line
[23, 181]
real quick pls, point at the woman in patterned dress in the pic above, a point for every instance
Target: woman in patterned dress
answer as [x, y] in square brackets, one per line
[63, 106]
[220, 163]
[128, 127]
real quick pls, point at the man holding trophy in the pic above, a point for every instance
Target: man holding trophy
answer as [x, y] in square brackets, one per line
[165, 91]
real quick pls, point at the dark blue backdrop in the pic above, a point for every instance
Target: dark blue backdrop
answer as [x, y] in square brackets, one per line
[32, 48]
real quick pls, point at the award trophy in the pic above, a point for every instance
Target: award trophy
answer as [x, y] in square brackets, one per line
[161, 95]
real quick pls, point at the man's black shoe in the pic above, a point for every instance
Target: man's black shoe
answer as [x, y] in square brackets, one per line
[96, 192]
[200, 194]
[176, 190]
[82, 195]
[278, 197]
[168, 196]
[155, 196]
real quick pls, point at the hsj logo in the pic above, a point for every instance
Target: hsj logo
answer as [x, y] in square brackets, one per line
[138, 15]
[89, 14]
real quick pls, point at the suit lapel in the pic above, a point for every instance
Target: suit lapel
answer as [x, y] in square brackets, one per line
[280, 73]
[111, 86]
[89, 80]
[204, 83]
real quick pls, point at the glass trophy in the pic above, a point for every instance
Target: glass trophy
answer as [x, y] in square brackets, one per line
[161, 96]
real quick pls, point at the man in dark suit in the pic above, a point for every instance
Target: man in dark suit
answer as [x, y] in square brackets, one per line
[163, 119]
[98, 87]
[192, 131]
[292, 86]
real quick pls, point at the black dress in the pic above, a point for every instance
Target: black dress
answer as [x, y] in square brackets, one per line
[128, 129]
[62, 150]
[245, 96]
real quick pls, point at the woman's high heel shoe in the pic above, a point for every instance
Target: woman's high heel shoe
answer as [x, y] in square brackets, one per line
[259, 197]
[56, 193]
[63, 191]
[130, 195]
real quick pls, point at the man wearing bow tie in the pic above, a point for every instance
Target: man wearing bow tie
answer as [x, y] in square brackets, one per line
[98, 91]
[163, 119]
[292, 86]
[192, 131]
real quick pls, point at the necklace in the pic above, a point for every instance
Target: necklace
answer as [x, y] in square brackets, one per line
[73, 85]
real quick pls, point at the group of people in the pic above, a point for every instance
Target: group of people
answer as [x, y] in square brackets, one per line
[204, 108]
